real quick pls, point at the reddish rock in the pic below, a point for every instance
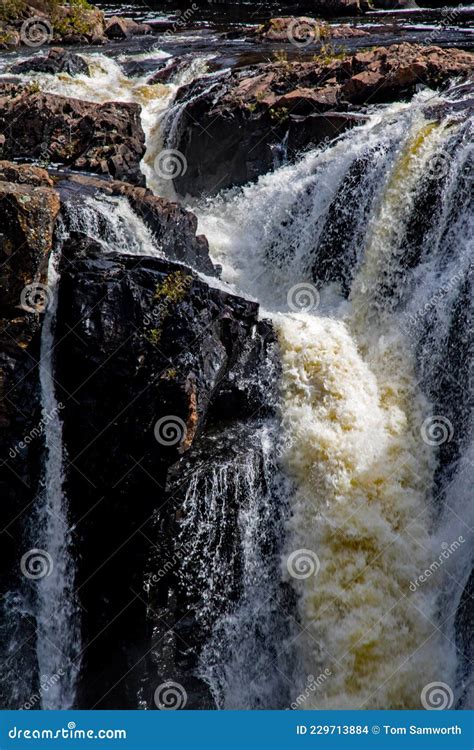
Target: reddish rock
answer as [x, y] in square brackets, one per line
[122, 28]
[304, 30]
[228, 137]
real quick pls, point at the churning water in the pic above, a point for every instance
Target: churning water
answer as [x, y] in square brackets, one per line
[360, 254]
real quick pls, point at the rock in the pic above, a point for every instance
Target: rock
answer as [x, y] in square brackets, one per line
[228, 135]
[29, 207]
[336, 8]
[304, 31]
[151, 342]
[173, 227]
[151, 339]
[9, 38]
[57, 61]
[168, 70]
[101, 138]
[122, 28]
[24, 173]
[29, 213]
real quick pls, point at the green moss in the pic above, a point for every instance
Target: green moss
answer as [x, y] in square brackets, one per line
[280, 114]
[328, 53]
[153, 336]
[174, 288]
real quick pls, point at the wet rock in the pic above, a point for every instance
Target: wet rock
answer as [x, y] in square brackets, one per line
[168, 70]
[101, 138]
[155, 356]
[57, 61]
[229, 134]
[173, 227]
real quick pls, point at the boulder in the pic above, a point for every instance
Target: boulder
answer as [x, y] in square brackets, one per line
[105, 138]
[229, 135]
[122, 28]
[153, 346]
[57, 60]
[304, 31]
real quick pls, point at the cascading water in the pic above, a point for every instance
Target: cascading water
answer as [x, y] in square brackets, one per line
[57, 616]
[233, 516]
[358, 394]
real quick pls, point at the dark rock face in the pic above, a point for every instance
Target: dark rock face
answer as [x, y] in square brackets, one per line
[29, 207]
[139, 340]
[151, 342]
[101, 138]
[57, 61]
[229, 134]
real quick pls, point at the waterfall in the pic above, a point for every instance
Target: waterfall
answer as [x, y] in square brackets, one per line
[57, 616]
[233, 518]
[360, 254]
[112, 224]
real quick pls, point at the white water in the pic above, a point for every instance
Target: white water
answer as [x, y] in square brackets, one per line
[107, 82]
[233, 513]
[58, 623]
[353, 406]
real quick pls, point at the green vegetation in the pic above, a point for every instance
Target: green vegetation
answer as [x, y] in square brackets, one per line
[11, 9]
[328, 53]
[171, 290]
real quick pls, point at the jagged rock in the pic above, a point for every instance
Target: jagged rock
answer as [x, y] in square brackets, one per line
[168, 70]
[173, 227]
[138, 339]
[228, 135]
[151, 342]
[103, 138]
[57, 61]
